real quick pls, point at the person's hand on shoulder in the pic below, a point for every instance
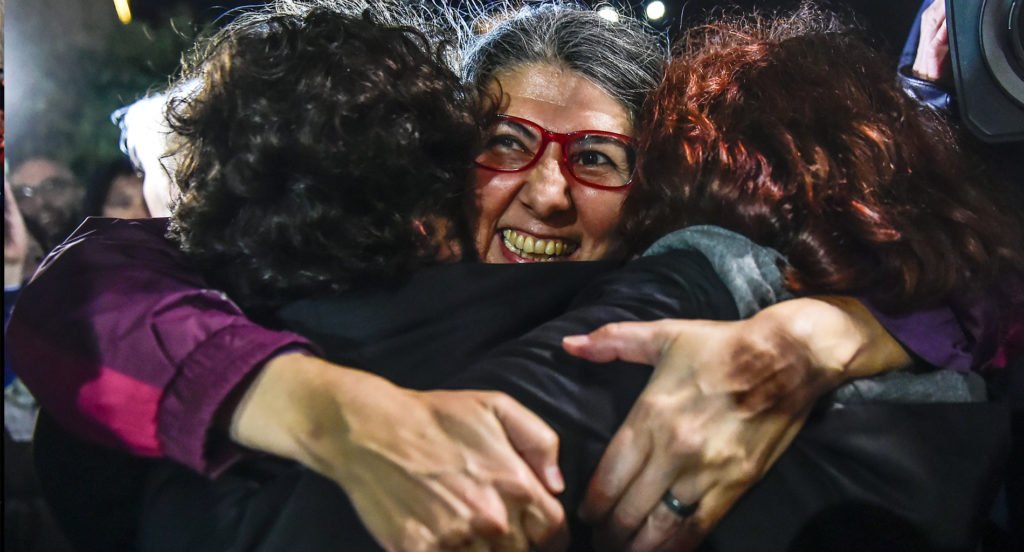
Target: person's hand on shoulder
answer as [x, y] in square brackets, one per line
[724, 401]
[435, 470]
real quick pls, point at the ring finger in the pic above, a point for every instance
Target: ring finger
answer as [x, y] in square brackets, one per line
[667, 517]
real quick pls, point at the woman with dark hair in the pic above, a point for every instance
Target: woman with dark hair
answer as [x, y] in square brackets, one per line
[515, 200]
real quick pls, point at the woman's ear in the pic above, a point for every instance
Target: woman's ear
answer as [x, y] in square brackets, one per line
[438, 238]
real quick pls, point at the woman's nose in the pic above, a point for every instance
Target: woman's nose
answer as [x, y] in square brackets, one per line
[546, 191]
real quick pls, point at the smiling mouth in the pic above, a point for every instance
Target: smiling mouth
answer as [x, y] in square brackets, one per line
[534, 249]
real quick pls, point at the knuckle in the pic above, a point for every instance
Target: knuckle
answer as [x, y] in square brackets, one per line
[492, 523]
[747, 470]
[606, 331]
[518, 487]
[493, 397]
[650, 405]
[683, 440]
[627, 519]
[454, 534]
[548, 440]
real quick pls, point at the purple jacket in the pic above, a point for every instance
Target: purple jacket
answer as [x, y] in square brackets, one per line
[126, 347]
[85, 330]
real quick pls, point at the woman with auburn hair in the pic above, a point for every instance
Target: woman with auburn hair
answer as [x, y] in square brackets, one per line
[793, 132]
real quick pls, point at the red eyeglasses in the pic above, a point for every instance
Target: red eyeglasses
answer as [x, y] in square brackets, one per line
[599, 159]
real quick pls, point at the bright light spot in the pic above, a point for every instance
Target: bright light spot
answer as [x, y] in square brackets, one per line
[655, 10]
[609, 13]
[124, 12]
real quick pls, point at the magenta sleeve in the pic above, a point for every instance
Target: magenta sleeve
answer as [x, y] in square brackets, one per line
[124, 346]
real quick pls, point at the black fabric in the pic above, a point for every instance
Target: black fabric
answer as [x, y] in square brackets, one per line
[93, 491]
[877, 477]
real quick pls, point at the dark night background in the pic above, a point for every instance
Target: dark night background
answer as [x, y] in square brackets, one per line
[70, 63]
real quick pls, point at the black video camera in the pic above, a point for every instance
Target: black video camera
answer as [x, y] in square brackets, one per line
[986, 41]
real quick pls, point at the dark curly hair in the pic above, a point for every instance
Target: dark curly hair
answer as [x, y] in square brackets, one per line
[792, 131]
[318, 149]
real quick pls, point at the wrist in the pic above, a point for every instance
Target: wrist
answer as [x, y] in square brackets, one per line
[271, 414]
[844, 334]
[303, 408]
[824, 330]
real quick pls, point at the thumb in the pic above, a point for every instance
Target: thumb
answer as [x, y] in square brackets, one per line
[533, 439]
[639, 342]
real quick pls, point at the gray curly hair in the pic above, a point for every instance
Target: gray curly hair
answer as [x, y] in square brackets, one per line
[625, 58]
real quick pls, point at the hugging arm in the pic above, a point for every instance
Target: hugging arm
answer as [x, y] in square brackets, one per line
[839, 471]
[103, 307]
[550, 391]
[134, 407]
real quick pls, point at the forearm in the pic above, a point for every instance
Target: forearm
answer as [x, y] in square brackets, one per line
[295, 403]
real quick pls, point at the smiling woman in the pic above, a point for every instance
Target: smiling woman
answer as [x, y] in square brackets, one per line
[569, 85]
[555, 197]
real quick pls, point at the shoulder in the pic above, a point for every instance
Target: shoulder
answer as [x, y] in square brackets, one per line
[108, 244]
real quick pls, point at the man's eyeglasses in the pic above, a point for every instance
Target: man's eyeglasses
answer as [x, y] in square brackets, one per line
[603, 160]
[47, 186]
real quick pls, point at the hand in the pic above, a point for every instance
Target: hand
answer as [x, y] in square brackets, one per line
[15, 239]
[725, 399]
[425, 470]
[932, 61]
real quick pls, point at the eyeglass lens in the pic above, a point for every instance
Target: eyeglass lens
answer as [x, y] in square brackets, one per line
[591, 158]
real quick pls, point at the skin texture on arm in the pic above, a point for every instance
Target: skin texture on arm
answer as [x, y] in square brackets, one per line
[733, 395]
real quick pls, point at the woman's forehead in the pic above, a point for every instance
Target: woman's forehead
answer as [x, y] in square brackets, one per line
[560, 99]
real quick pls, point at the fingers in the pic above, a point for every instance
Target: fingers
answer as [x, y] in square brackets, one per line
[660, 526]
[536, 443]
[545, 527]
[933, 45]
[933, 14]
[691, 531]
[640, 342]
[620, 464]
[641, 500]
[533, 439]
[942, 35]
[490, 517]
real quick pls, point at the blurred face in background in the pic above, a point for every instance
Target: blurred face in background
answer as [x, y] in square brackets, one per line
[125, 199]
[49, 197]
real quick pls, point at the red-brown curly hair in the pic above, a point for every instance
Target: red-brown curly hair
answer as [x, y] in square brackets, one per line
[793, 132]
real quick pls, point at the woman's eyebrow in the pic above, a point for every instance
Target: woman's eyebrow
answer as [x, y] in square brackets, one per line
[588, 138]
[522, 128]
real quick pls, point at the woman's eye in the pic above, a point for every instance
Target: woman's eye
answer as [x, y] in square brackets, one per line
[592, 158]
[505, 141]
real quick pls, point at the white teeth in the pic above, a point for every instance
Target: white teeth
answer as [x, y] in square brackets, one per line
[536, 249]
